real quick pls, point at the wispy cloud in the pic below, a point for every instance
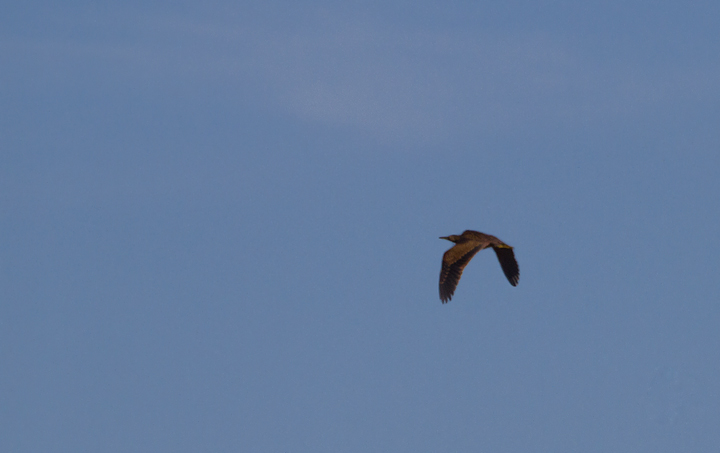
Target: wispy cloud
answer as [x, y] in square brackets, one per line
[432, 83]
[386, 80]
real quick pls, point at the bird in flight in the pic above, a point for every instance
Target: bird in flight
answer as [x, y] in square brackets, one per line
[466, 246]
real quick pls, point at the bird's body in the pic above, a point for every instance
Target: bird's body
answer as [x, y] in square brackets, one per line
[466, 246]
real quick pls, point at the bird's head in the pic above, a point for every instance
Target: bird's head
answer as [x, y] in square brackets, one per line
[451, 238]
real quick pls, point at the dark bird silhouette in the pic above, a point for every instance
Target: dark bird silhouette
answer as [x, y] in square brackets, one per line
[466, 246]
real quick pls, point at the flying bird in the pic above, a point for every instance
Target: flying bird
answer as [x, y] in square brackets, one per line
[466, 246]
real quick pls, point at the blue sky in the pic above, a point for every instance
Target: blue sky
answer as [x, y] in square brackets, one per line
[220, 226]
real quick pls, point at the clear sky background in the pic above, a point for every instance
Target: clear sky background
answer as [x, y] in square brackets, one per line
[219, 226]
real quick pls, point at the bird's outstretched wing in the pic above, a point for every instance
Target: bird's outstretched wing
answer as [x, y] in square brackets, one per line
[509, 265]
[453, 263]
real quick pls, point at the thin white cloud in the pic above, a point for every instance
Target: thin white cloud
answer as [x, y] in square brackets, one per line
[433, 83]
[390, 81]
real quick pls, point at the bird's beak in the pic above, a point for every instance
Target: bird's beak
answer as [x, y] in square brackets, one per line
[445, 237]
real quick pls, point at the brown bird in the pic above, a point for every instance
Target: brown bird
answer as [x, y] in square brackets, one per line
[466, 246]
